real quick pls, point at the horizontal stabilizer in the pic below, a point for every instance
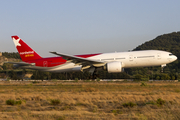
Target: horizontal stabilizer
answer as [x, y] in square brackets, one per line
[22, 63]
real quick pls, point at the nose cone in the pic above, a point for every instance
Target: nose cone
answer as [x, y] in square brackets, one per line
[174, 58]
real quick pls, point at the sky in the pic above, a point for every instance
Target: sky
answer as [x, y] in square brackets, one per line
[85, 26]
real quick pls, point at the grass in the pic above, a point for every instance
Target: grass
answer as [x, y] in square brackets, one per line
[89, 100]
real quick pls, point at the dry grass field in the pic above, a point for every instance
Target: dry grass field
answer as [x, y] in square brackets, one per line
[89, 100]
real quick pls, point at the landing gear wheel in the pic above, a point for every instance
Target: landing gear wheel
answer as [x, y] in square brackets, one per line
[94, 76]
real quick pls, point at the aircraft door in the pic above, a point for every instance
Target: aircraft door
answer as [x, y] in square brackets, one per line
[130, 57]
[159, 56]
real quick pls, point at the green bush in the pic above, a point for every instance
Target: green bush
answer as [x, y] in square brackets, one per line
[143, 84]
[160, 101]
[55, 101]
[76, 79]
[138, 77]
[145, 79]
[157, 102]
[151, 102]
[129, 104]
[98, 79]
[19, 102]
[115, 112]
[10, 102]
[13, 102]
[61, 118]
[34, 82]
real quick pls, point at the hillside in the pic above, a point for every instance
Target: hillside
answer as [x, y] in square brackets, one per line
[11, 55]
[2, 60]
[5, 56]
[167, 42]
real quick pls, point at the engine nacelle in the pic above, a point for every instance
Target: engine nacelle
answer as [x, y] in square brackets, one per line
[114, 67]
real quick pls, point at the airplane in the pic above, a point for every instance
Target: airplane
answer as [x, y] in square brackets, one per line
[111, 62]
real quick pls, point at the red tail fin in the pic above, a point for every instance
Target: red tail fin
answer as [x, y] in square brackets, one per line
[26, 53]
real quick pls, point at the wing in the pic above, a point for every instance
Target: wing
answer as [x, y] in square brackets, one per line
[85, 62]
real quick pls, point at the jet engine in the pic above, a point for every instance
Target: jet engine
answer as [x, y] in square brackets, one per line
[114, 67]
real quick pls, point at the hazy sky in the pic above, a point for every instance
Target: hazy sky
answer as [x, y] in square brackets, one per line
[85, 26]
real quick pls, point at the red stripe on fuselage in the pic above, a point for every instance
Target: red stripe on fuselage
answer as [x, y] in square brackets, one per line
[88, 55]
[55, 61]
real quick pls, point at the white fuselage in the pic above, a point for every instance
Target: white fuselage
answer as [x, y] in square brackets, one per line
[128, 59]
[138, 58]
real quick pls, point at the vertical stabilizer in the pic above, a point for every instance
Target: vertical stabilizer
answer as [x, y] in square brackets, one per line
[26, 53]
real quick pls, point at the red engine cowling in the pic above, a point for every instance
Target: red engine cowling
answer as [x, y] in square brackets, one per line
[114, 67]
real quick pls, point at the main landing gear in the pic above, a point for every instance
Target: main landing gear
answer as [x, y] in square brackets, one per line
[162, 66]
[93, 72]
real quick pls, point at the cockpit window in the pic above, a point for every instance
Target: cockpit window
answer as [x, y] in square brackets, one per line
[170, 54]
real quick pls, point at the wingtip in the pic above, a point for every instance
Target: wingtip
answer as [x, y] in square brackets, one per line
[52, 52]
